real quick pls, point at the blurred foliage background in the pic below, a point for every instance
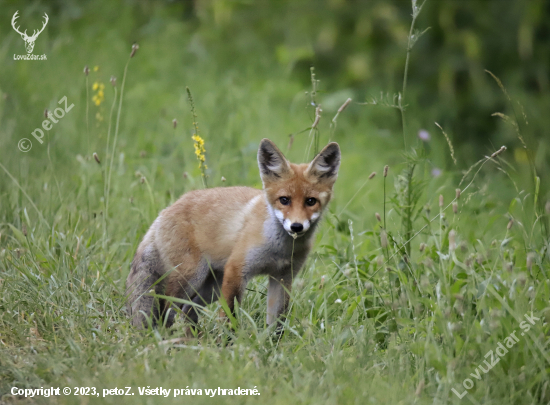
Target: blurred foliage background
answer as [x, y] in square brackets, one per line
[357, 48]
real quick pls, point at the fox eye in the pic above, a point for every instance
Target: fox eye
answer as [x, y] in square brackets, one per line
[284, 200]
[311, 201]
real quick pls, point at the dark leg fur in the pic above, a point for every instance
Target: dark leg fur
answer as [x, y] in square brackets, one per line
[146, 270]
[206, 294]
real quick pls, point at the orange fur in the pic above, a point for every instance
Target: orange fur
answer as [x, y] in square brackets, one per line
[213, 241]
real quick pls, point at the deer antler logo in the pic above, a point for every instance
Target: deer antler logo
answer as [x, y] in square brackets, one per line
[29, 41]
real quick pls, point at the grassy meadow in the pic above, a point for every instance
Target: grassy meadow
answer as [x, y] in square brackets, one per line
[430, 256]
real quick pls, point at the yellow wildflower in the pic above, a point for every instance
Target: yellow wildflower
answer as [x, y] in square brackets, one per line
[199, 149]
[100, 95]
[96, 68]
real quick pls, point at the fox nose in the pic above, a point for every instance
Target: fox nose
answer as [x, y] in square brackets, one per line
[296, 227]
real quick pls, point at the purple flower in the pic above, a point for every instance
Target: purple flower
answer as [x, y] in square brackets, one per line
[424, 135]
[436, 172]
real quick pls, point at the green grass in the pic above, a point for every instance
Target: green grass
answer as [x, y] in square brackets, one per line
[369, 323]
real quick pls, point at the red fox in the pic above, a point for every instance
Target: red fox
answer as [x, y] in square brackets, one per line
[215, 240]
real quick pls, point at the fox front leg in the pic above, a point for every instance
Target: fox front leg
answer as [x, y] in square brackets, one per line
[278, 297]
[232, 285]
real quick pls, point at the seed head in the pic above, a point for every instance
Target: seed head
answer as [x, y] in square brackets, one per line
[344, 106]
[174, 123]
[386, 168]
[96, 158]
[142, 180]
[46, 113]
[458, 191]
[422, 247]
[455, 207]
[441, 201]
[372, 175]
[113, 81]
[510, 223]
[223, 179]
[498, 152]
[86, 70]
[135, 47]
[377, 215]
[317, 117]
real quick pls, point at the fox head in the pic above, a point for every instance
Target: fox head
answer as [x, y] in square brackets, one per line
[297, 193]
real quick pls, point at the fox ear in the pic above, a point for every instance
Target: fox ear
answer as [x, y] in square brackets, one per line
[326, 164]
[271, 161]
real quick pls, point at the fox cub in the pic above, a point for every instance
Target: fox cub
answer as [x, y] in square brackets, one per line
[215, 240]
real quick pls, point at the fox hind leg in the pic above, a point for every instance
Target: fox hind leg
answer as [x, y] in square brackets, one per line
[147, 268]
[189, 280]
[205, 295]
